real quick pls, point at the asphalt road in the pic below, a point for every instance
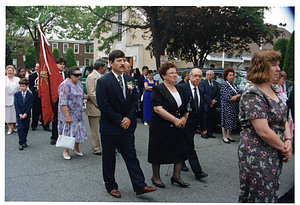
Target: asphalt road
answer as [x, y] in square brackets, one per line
[41, 174]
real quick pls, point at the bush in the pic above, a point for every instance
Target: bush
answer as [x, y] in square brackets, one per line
[289, 63]
[30, 57]
[281, 45]
[55, 53]
[70, 58]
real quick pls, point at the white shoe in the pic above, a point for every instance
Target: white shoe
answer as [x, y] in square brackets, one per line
[78, 153]
[69, 157]
[9, 133]
[145, 123]
[15, 130]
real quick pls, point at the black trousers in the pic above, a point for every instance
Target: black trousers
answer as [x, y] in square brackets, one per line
[128, 152]
[192, 155]
[54, 123]
[208, 119]
[36, 112]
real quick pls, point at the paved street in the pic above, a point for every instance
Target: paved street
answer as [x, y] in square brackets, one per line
[39, 173]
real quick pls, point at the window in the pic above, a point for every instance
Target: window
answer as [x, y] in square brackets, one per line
[65, 47]
[89, 62]
[89, 49]
[15, 63]
[76, 48]
[77, 63]
[54, 45]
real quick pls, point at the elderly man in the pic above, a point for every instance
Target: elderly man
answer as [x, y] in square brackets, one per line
[193, 92]
[92, 110]
[211, 91]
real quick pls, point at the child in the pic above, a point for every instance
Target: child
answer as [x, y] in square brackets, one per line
[23, 104]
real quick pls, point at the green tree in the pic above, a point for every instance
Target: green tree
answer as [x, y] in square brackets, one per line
[55, 53]
[199, 31]
[280, 45]
[70, 58]
[60, 20]
[30, 59]
[289, 63]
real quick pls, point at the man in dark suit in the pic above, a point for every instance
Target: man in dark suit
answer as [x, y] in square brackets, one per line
[37, 105]
[195, 95]
[286, 83]
[142, 88]
[211, 92]
[61, 63]
[23, 101]
[117, 101]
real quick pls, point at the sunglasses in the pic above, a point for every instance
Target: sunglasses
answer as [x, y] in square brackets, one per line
[77, 74]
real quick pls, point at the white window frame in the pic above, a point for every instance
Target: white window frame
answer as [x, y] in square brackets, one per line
[64, 51]
[77, 49]
[89, 51]
[54, 45]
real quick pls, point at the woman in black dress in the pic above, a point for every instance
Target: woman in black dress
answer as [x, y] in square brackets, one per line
[166, 142]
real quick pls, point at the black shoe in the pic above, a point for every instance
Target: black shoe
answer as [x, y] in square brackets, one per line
[162, 185]
[204, 136]
[231, 140]
[200, 175]
[211, 136]
[33, 128]
[52, 141]
[99, 153]
[25, 145]
[183, 184]
[228, 142]
[21, 147]
[47, 129]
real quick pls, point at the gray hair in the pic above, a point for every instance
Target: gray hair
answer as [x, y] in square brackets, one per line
[99, 63]
[191, 73]
[210, 71]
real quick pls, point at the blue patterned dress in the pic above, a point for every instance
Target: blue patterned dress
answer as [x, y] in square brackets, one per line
[72, 96]
[259, 164]
[229, 109]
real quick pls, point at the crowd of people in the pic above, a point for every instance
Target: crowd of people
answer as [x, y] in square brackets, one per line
[174, 112]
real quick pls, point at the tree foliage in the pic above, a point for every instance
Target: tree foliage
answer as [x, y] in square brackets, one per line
[280, 45]
[55, 53]
[53, 20]
[30, 59]
[199, 31]
[289, 63]
[70, 58]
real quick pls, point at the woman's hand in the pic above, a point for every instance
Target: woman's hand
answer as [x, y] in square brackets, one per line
[68, 119]
[287, 151]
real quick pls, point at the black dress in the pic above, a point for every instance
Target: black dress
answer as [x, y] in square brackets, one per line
[166, 141]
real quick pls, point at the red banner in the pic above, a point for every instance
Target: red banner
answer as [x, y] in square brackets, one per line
[49, 80]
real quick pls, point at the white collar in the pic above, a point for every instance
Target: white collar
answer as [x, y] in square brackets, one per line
[117, 75]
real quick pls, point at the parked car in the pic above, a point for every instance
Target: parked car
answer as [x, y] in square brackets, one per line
[85, 70]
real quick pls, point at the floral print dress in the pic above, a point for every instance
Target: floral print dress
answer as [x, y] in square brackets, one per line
[259, 164]
[72, 96]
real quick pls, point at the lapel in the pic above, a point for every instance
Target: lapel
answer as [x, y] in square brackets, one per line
[116, 87]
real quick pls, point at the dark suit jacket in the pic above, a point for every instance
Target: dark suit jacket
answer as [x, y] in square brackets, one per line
[114, 107]
[194, 115]
[210, 93]
[141, 85]
[32, 78]
[23, 107]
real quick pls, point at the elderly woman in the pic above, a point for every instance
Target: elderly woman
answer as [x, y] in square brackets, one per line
[11, 86]
[265, 136]
[71, 97]
[166, 141]
[230, 95]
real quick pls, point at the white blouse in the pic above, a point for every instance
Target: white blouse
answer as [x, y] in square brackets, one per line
[177, 98]
[10, 89]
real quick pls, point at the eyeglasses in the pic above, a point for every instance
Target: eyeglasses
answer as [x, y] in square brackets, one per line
[77, 74]
[171, 72]
[200, 76]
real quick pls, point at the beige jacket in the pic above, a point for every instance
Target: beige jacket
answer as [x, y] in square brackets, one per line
[91, 105]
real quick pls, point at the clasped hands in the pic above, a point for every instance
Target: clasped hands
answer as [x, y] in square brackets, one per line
[125, 123]
[288, 151]
[180, 122]
[22, 116]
